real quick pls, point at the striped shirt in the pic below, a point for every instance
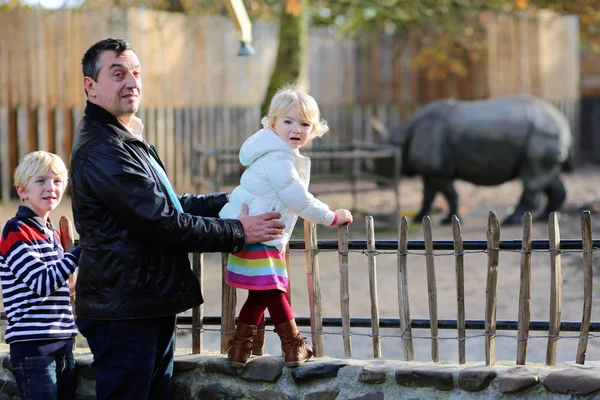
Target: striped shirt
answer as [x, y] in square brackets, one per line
[34, 272]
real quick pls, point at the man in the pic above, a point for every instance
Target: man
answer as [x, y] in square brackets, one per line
[135, 234]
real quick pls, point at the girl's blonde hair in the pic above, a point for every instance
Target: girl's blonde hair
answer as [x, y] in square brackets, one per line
[39, 163]
[289, 97]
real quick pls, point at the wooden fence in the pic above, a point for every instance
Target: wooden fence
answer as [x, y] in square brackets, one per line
[191, 60]
[402, 248]
[198, 92]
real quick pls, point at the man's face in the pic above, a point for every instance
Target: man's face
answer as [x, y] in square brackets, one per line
[119, 86]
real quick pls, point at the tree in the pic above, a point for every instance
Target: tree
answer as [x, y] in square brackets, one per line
[293, 28]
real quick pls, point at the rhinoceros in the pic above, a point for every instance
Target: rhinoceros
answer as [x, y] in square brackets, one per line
[485, 142]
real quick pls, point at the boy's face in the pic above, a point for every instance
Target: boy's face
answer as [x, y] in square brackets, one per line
[292, 129]
[43, 193]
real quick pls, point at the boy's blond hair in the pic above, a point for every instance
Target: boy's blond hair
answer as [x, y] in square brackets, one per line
[290, 96]
[39, 163]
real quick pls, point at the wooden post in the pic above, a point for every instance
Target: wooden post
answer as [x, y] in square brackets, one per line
[525, 291]
[491, 290]
[555, 288]
[588, 277]
[373, 286]
[314, 288]
[344, 288]
[67, 240]
[403, 303]
[431, 288]
[460, 287]
[228, 303]
[197, 312]
[397, 176]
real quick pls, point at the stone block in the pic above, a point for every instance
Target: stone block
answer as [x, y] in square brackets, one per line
[475, 379]
[372, 375]
[572, 381]
[325, 395]
[265, 369]
[440, 378]
[517, 379]
[317, 370]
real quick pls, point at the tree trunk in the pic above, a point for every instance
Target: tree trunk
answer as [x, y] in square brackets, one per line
[293, 28]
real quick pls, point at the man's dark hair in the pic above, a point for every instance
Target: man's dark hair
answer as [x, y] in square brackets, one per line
[90, 60]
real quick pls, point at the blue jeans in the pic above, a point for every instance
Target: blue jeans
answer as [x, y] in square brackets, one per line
[46, 377]
[133, 359]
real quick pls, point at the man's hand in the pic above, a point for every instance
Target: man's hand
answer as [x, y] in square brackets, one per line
[260, 228]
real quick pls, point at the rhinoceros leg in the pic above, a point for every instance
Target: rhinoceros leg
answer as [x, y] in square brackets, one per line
[530, 201]
[429, 192]
[556, 194]
[449, 192]
[431, 186]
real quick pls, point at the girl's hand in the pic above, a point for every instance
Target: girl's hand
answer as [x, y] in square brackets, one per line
[342, 217]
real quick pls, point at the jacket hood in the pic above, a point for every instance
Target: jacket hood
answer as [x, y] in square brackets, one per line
[262, 142]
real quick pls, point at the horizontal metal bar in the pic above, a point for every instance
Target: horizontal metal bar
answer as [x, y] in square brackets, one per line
[567, 244]
[473, 324]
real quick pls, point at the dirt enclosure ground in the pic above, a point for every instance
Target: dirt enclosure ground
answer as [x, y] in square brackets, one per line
[476, 202]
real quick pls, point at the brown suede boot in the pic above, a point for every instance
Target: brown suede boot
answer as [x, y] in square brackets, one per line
[240, 346]
[258, 340]
[296, 349]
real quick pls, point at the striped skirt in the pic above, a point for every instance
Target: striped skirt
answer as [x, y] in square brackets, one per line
[257, 267]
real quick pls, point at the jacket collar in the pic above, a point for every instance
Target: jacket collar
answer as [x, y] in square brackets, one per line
[25, 212]
[99, 114]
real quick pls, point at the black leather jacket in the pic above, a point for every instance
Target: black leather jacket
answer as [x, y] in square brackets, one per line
[135, 244]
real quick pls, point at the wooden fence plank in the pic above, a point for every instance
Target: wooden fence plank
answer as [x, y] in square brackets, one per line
[403, 303]
[42, 128]
[59, 132]
[588, 287]
[314, 288]
[460, 287]
[5, 170]
[228, 302]
[555, 288]
[431, 288]
[373, 286]
[524, 291]
[170, 144]
[179, 155]
[161, 115]
[344, 288]
[22, 130]
[197, 312]
[491, 290]
[187, 150]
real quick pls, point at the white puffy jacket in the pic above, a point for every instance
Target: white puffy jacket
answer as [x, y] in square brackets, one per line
[276, 179]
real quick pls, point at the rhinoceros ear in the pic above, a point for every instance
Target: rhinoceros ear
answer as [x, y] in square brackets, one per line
[381, 132]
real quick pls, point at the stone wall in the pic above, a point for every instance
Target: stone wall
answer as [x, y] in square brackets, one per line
[209, 376]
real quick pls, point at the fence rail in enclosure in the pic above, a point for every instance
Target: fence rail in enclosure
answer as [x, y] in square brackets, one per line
[220, 167]
[177, 133]
[402, 248]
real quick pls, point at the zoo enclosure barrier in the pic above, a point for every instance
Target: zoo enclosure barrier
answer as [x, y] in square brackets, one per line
[402, 248]
[219, 167]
